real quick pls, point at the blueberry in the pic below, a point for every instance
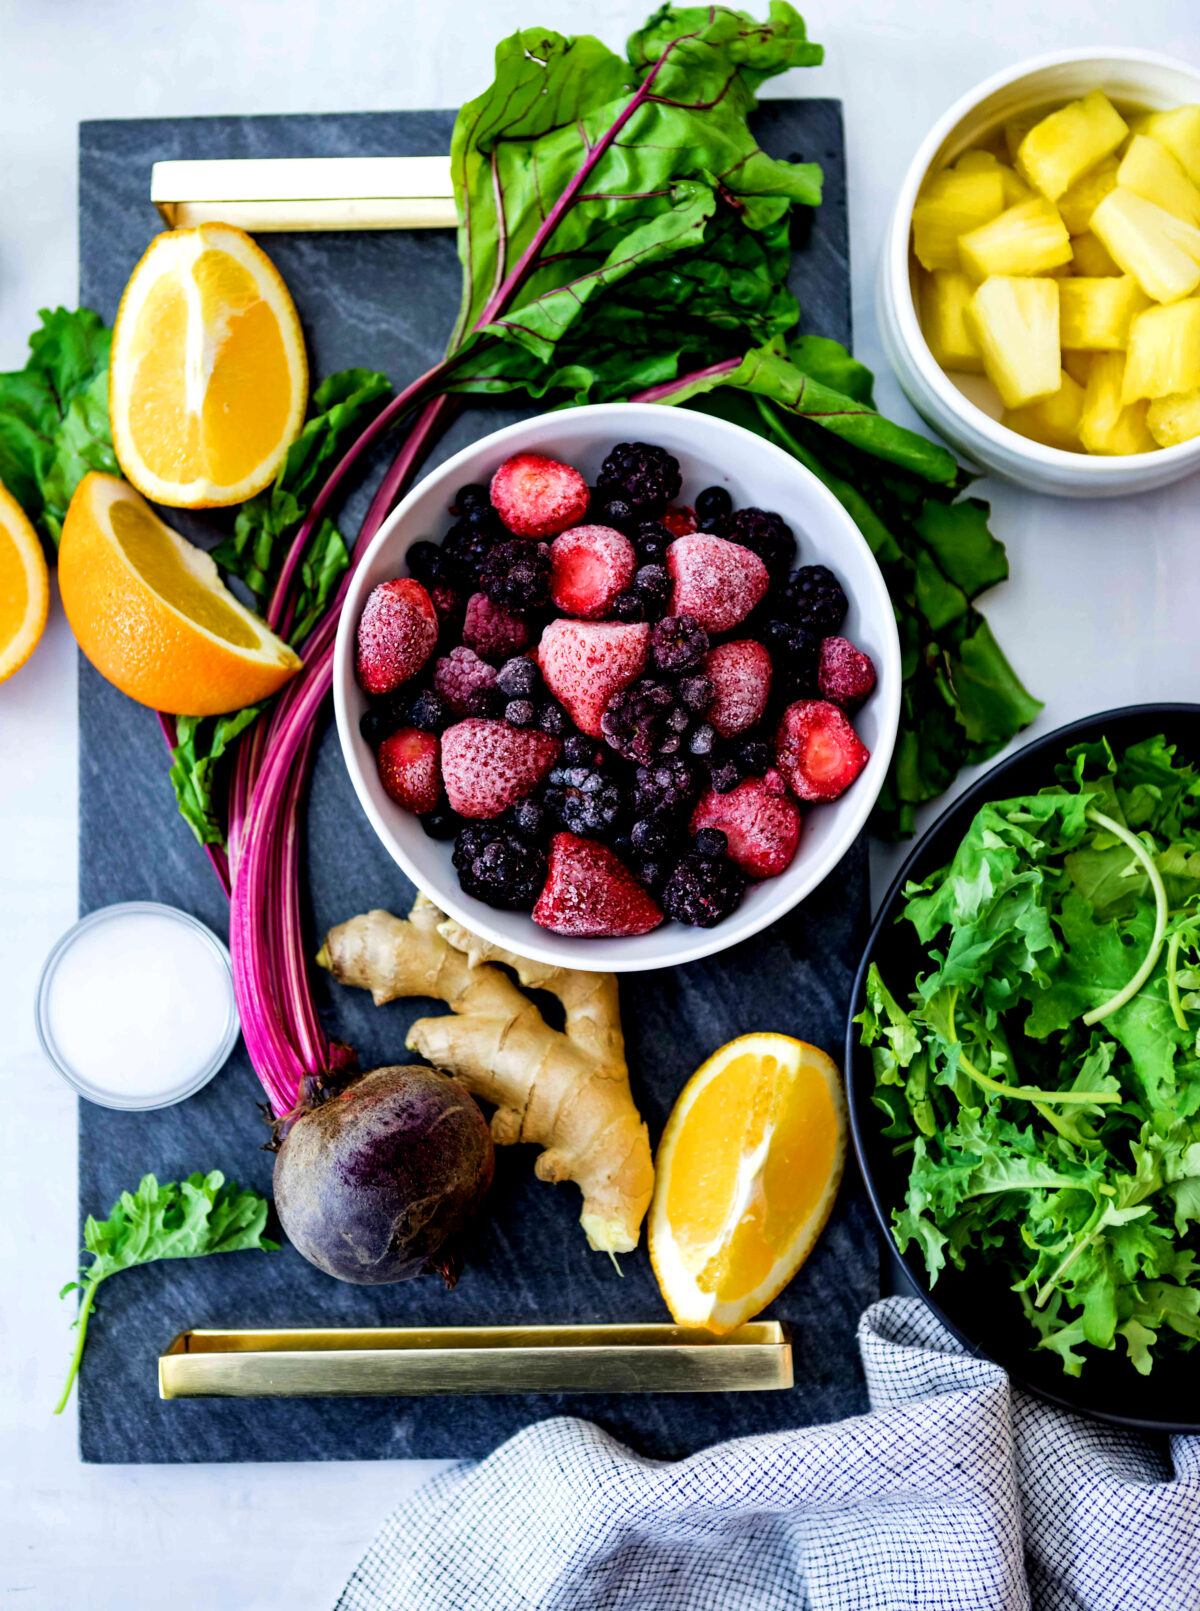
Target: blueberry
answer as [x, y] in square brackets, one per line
[520, 713]
[472, 494]
[377, 723]
[629, 608]
[519, 678]
[554, 720]
[424, 561]
[711, 842]
[441, 823]
[426, 711]
[713, 501]
[725, 776]
[702, 740]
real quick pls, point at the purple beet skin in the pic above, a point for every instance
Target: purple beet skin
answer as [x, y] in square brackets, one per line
[376, 1183]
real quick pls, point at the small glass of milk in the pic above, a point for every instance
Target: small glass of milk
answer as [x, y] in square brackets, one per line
[135, 1007]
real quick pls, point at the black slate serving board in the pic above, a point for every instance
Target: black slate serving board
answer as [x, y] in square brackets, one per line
[387, 300]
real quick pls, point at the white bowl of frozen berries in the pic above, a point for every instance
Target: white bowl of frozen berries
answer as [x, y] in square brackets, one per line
[618, 686]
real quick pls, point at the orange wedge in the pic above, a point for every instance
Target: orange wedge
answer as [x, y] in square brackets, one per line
[24, 586]
[208, 379]
[151, 613]
[746, 1174]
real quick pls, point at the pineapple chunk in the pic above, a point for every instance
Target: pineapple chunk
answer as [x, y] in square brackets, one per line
[1162, 253]
[1077, 205]
[1062, 147]
[1016, 129]
[944, 298]
[1106, 425]
[1096, 314]
[1015, 323]
[1027, 239]
[1077, 364]
[977, 160]
[1091, 258]
[1179, 131]
[1175, 418]
[1164, 352]
[950, 205]
[1149, 169]
[1054, 420]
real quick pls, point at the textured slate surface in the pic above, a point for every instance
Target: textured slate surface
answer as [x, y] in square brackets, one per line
[387, 300]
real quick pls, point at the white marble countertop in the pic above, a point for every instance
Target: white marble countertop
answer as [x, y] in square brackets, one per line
[1102, 610]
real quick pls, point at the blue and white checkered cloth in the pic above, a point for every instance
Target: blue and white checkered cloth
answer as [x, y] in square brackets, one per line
[956, 1493]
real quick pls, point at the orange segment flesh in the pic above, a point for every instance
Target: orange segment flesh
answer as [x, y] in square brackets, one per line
[747, 1172]
[152, 614]
[208, 373]
[24, 586]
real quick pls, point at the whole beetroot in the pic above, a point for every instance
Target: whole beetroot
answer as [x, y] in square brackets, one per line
[375, 1183]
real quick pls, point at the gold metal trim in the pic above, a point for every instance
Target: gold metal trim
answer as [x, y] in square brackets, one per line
[307, 193]
[393, 1361]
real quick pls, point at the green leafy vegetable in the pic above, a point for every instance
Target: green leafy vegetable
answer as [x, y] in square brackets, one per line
[54, 416]
[1044, 1073]
[179, 1220]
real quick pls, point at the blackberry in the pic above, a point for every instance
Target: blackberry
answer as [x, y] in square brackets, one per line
[424, 561]
[426, 711]
[553, 719]
[471, 496]
[652, 584]
[584, 800]
[667, 786]
[528, 818]
[611, 508]
[695, 693]
[796, 659]
[703, 889]
[498, 867]
[652, 539]
[678, 643]
[519, 678]
[520, 713]
[713, 502]
[441, 823]
[580, 750]
[629, 608]
[815, 600]
[646, 476]
[766, 534]
[646, 720]
[723, 773]
[464, 550]
[516, 574]
[753, 757]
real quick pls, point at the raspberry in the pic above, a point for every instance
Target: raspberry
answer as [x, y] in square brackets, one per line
[703, 889]
[766, 534]
[646, 476]
[716, 581]
[846, 676]
[760, 821]
[741, 677]
[538, 497]
[664, 788]
[647, 720]
[680, 520]
[590, 891]
[458, 675]
[498, 867]
[494, 632]
[814, 599]
[409, 769]
[591, 567]
[818, 751]
[678, 643]
[488, 765]
[585, 663]
[516, 575]
[397, 632]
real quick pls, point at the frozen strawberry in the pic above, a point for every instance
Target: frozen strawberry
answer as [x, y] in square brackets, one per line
[680, 520]
[538, 497]
[818, 751]
[716, 582]
[410, 769]
[396, 634]
[488, 765]
[740, 673]
[459, 675]
[846, 676]
[584, 663]
[492, 631]
[591, 567]
[760, 821]
[590, 891]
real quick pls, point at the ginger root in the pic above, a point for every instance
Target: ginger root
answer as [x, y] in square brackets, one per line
[566, 1092]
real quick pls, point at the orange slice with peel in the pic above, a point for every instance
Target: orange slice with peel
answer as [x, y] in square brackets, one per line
[208, 378]
[24, 586]
[151, 613]
[746, 1174]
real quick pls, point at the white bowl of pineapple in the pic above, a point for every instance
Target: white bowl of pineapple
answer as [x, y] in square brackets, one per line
[1039, 290]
